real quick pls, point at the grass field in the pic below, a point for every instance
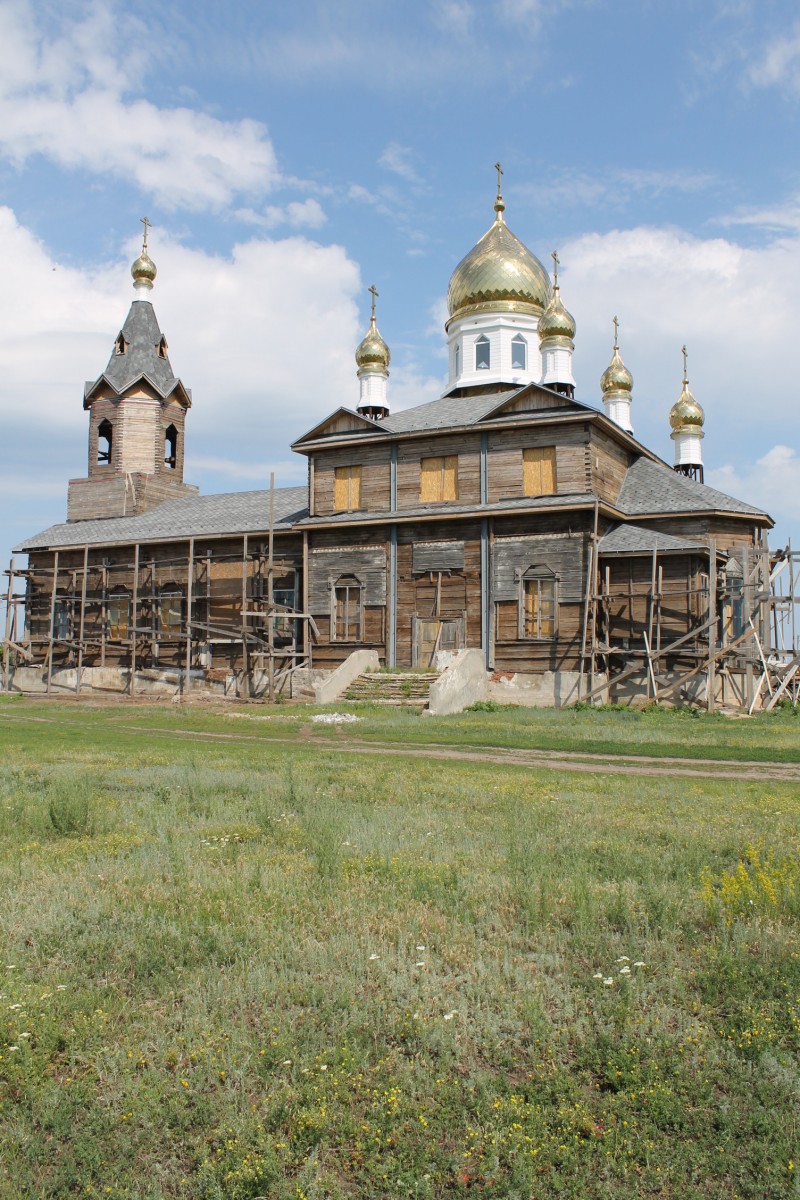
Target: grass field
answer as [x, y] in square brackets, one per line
[238, 963]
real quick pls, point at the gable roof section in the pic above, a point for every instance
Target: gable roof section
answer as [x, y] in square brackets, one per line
[337, 423]
[196, 516]
[141, 359]
[652, 487]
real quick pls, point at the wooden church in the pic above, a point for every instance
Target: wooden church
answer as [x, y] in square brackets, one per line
[507, 518]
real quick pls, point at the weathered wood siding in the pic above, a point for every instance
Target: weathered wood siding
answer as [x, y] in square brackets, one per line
[375, 477]
[409, 470]
[609, 463]
[506, 460]
[437, 556]
[366, 564]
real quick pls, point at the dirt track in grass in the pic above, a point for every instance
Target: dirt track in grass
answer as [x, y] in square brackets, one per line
[582, 762]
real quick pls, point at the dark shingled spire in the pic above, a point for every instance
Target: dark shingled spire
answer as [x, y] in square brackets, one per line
[140, 353]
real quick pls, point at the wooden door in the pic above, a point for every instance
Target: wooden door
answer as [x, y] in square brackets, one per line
[430, 635]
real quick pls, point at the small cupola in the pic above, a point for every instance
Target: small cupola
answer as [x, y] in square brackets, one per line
[372, 360]
[686, 419]
[616, 384]
[143, 269]
[556, 333]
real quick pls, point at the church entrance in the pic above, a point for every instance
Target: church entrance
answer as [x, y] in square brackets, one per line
[432, 634]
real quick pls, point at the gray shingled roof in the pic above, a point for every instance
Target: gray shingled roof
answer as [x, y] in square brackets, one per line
[448, 510]
[141, 358]
[636, 539]
[196, 516]
[651, 487]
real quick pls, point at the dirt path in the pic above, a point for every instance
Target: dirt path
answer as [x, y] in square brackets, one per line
[578, 761]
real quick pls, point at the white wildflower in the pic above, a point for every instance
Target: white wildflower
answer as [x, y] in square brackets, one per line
[624, 970]
[608, 982]
[623, 958]
[640, 964]
[449, 1016]
[419, 947]
[419, 964]
[374, 957]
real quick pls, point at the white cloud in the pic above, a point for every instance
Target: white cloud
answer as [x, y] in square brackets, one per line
[70, 97]
[736, 308]
[398, 159]
[264, 338]
[614, 187]
[772, 481]
[298, 214]
[778, 62]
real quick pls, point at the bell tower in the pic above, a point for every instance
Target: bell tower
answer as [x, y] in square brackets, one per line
[137, 416]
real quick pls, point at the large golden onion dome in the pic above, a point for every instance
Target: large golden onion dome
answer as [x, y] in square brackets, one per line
[686, 413]
[373, 353]
[555, 321]
[498, 275]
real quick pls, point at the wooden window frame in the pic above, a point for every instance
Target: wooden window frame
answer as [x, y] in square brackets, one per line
[438, 479]
[169, 594]
[119, 625]
[352, 630]
[347, 482]
[536, 481]
[533, 584]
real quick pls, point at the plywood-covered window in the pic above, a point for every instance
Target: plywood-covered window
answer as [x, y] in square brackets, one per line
[537, 610]
[346, 488]
[347, 609]
[438, 478]
[539, 471]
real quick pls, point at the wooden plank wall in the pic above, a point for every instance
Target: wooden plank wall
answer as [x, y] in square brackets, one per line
[505, 460]
[410, 454]
[609, 463]
[375, 483]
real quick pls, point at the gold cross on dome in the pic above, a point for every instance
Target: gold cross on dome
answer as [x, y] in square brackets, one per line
[616, 334]
[374, 293]
[556, 261]
[147, 226]
[499, 170]
[685, 356]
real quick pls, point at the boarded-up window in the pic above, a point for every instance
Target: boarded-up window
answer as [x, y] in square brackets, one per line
[538, 606]
[437, 556]
[539, 471]
[326, 567]
[347, 488]
[439, 479]
[346, 615]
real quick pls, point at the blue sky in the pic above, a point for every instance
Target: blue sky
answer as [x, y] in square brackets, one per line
[290, 155]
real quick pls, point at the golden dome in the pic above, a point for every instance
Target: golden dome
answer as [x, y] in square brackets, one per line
[373, 353]
[555, 321]
[498, 275]
[616, 377]
[144, 268]
[686, 413]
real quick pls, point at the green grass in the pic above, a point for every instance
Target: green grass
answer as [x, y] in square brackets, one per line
[212, 984]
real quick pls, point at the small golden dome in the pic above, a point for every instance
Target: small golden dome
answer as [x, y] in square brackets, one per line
[555, 321]
[616, 377]
[144, 268]
[498, 275]
[373, 353]
[686, 413]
